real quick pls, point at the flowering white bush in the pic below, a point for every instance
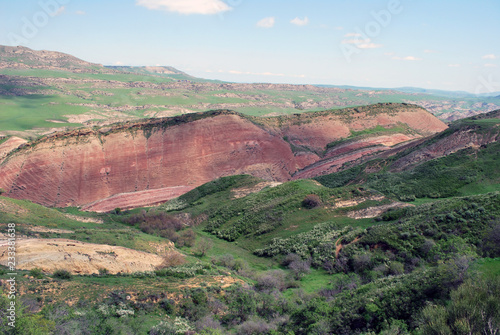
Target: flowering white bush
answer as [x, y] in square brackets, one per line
[123, 310]
[174, 205]
[299, 244]
[187, 270]
[182, 325]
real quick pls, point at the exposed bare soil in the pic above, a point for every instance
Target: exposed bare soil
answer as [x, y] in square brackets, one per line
[78, 257]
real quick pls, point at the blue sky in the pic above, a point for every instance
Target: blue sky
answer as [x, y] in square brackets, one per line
[446, 44]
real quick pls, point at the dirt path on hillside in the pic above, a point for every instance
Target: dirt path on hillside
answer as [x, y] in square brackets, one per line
[339, 246]
[371, 212]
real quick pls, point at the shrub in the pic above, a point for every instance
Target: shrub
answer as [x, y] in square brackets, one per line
[36, 273]
[62, 274]
[202, 247]
[226, 260]
[407, 198]
[311, 201]
[103, 272]
[172, 258]
[426, 247]
[167, 305]
[240, 265]
[163, 328]
[255, 327]
[158, 223]
[396, 268]
[242, 303]
[491, 242]
[300, 268]
[474, 308]
[290, 258]
[271, 280]
[362, 262]
[208, 322]
[186, 238]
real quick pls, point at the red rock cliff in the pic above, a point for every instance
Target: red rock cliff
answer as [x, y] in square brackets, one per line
[140, 164]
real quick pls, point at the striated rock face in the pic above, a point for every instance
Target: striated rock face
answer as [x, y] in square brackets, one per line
[467, 137]
[146, 163]
[82, 169]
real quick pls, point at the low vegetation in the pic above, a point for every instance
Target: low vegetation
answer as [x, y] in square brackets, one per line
[287, 259]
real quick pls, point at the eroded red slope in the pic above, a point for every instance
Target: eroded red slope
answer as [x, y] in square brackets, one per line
[146, 163]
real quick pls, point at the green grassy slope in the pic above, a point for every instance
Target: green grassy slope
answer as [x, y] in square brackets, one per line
[367, 275]
[466, 172]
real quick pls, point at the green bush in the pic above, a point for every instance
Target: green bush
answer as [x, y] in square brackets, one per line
[474, 308]
[62, 274]
[311, 201]
[36, 273]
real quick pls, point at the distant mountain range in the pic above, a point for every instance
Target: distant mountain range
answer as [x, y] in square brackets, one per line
[46, 90]
[442, 93]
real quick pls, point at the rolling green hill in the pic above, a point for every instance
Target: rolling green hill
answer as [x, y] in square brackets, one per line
[401, 242]
[43, 89]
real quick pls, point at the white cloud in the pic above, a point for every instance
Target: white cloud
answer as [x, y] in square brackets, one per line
[267, 22]
[369, 46]
[409, 58]
[352, 35]
[238, 72]
[206, 7]
[60, 10]
[268, 74]
[490, 65]
[490, 56]
[80, 12]
[389, 53]
[300, 22]
[454, 65]
[355, 41]
[118, 63]
[427, 51]
[360, 43]
[339, 28]
[255, 73]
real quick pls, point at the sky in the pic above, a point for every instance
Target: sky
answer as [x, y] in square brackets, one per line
[439, 44]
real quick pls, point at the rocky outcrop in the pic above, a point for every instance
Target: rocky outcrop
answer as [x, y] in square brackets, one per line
[463, 135]
[9, 145]
[145, 163]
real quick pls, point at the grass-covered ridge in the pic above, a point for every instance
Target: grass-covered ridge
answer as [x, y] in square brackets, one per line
[148, 126]
[75, 225]
[468, 171]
